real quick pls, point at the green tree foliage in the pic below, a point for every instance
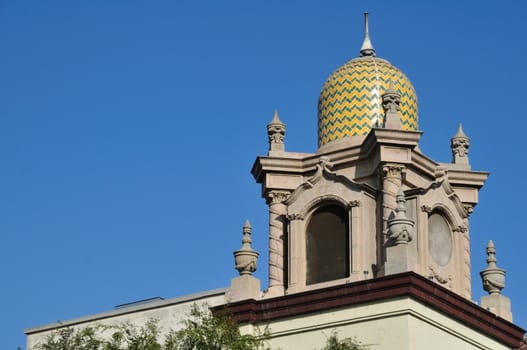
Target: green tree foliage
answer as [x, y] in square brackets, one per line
[202, 330]
[334, 343]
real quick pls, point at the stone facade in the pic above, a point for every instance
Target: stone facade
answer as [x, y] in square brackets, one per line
[365, 179]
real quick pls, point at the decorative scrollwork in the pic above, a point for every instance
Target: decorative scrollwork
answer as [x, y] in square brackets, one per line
[295, 216]
[274, 197]
[393, 170]
[460, 229]
[435, 275]
[469, 208]
[354, 203]
[426, 208]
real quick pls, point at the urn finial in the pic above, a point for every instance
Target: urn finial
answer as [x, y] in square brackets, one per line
[400, 228]
[245, 258]
[493, 277]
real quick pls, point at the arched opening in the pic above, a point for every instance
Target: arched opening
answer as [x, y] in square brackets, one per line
[327, 245]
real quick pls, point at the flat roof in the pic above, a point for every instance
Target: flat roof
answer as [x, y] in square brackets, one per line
[131, 308]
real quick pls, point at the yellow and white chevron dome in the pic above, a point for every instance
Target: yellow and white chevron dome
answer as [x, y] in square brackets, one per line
[350, 100]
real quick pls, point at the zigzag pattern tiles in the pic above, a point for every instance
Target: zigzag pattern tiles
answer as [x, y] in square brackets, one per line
[350, 101]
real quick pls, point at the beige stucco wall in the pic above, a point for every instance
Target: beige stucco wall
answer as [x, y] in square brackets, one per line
[398, 324]
[170, 313]
[393, 324]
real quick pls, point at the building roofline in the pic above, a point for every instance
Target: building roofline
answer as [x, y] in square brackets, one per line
[408, 284]
[127, 310]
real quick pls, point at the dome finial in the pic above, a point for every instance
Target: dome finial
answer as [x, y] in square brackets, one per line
[367, 47]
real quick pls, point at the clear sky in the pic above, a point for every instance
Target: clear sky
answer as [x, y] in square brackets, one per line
[128, 130]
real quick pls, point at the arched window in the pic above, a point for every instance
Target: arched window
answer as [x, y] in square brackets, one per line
[327, 245]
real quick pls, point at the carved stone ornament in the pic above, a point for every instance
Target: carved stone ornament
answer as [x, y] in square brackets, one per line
[493, 278]
[435, 275]
[245, 258]
[460, 147]
[400, 228]
[391, 100]
[469, 209]
[296, 216]
[392, 170]
[354, 203]
[426, 208]
[460, 144]
[440, 174]
[460, 229]
[274, 197]
[276, 133]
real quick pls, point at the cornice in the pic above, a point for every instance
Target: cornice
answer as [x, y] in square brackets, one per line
[467, 178]
[408, 284]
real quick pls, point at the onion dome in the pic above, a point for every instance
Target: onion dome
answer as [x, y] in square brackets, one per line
[350, 102]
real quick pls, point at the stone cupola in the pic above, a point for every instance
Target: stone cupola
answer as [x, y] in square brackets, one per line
[369, 203]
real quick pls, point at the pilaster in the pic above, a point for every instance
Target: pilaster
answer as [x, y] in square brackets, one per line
[277, 222]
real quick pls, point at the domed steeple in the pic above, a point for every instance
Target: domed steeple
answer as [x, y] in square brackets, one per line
[350, 102]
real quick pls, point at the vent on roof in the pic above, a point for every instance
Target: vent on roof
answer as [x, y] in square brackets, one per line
[139, 302]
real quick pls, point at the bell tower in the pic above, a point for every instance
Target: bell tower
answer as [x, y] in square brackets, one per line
[369, 203]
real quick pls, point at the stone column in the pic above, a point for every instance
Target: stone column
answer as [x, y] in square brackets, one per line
[391, 183]
[277, 222]
[465, 267]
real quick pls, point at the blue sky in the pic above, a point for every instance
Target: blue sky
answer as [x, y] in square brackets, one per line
[128, 130]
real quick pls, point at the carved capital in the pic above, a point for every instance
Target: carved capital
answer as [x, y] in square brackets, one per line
[393, 170]
[426, 208]
[355, 203]
[460, 229]
[274, 197]
[292, 217]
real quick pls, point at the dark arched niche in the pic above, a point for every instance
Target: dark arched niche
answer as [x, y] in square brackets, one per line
[327, 245]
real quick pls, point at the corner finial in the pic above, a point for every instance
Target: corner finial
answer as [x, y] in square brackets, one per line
[367, 47]
[276, 133]
[493, 277]
[459, 144]
[245, 258]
